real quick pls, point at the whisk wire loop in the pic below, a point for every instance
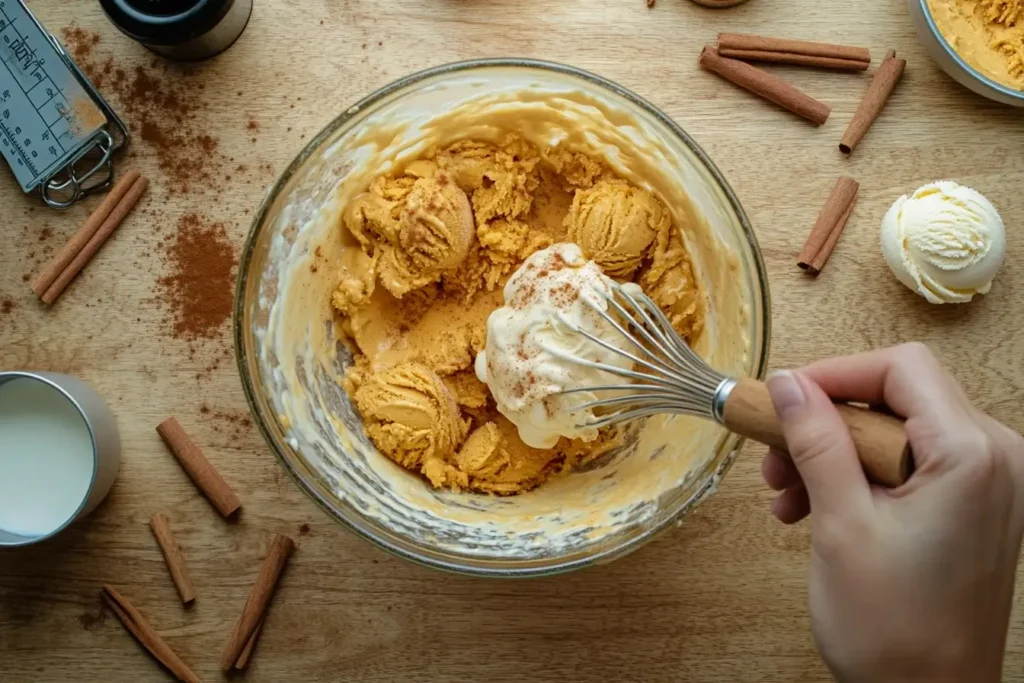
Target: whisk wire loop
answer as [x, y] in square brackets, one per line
[663, 343]
[668, 377]
[666, 373]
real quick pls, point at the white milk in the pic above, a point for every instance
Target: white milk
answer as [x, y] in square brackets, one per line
[46, 458]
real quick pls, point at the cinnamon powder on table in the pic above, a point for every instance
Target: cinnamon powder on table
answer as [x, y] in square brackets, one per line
[36, 244]
[162, 104]
[82, 41]
[238, 424]
[200, 287]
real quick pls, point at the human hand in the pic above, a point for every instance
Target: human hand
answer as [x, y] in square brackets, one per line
[913, 583]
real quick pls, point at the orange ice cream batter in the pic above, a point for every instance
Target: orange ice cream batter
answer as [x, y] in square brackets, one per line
[431, 248]
[988, 34]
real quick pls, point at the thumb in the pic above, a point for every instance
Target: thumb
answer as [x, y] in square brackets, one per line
[819, 444]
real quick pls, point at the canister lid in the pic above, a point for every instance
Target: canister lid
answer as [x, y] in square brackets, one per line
[166, 22]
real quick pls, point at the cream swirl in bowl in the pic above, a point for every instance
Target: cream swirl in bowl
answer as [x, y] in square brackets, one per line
[530, 341]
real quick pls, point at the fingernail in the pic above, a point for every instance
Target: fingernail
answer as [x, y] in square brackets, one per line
[786, 392]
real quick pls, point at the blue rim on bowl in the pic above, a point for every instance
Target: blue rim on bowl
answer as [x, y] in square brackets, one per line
[961, 62]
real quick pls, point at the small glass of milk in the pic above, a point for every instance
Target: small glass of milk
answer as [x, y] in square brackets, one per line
[59, 454]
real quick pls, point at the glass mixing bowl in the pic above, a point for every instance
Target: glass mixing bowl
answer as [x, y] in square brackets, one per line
[593, 515]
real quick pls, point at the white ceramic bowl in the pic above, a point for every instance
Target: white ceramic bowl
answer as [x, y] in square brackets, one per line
[953, 64]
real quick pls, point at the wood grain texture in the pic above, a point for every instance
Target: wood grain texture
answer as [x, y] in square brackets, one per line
[880, 439]
[723, 597]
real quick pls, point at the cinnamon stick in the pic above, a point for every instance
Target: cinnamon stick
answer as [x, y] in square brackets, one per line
[198, 467]
[763, 84]
[255, 608]
[839, 201]
[881, 88]
[74, 245]
[825, 252]
[174, 558]
[243, 659]
[794, 58]
[137, 625]
[742, 41]
[90, 248]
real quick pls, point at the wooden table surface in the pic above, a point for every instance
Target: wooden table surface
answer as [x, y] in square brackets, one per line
[721, 598]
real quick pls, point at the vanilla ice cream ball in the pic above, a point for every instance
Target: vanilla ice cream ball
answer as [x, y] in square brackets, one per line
[945, 242]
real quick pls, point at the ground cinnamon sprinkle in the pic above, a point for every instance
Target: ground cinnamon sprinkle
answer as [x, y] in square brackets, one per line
[200, 286]
[237, 419]
[83, 40]
[161, 104]
[564, 294]
[7, 305]
[238, 424]
[37, 246]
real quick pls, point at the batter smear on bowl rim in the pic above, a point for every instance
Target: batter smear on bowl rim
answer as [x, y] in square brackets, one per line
[432, 246]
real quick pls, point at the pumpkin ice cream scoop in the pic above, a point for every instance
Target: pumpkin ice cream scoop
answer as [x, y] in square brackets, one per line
[412, 418]
[615, 225]
[429, 251]
[418, 232]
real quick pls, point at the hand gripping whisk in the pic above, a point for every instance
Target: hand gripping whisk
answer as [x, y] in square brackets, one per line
[668, 377]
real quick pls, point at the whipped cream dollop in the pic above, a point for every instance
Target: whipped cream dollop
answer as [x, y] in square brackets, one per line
[524, 362]
[945, 242]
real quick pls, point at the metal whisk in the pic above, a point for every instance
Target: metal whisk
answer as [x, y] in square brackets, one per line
[668, 377]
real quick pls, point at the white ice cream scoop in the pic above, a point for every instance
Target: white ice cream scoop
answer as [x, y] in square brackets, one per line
[945, 242]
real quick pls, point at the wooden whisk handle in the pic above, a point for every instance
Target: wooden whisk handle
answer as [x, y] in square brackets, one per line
[881, 439]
